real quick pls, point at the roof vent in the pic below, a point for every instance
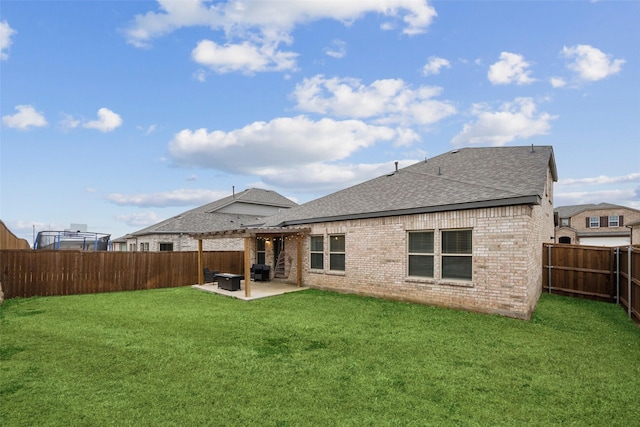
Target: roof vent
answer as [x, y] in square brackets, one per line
[396, 166]
[454, 151]
[532, 150]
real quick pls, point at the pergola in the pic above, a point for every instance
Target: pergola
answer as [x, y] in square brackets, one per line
[247, 234]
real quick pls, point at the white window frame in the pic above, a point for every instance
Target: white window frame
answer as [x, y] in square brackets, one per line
[343, 253]
[594, 222]
[161, 244]
[421, 254]
[261, 249]
[316, 252]
[444, 255]
[614, 220]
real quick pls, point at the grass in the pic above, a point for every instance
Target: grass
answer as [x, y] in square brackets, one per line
[183, 357]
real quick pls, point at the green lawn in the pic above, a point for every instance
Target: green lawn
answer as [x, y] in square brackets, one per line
[184, 357]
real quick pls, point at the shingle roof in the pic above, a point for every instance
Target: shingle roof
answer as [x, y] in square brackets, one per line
[459, 179]
[569, 211]
[206, 218]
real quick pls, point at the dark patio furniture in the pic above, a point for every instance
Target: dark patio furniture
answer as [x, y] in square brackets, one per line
[229, 282]
[260, 272]
[210, 275]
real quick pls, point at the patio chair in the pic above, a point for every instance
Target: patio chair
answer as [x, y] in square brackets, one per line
[210, 275]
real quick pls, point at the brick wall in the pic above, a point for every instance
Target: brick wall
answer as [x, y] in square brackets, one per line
[186, 243]
[579, 221]
[507, 258]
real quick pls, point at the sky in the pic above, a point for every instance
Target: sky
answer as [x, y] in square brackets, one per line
[120, 114]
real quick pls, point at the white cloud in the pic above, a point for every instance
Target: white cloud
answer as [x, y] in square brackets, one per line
[512, 68]
[557, 82]
[181, 197]
[602, 179]
[6, 32]
[434, 65]
[515, 120]
[261, 148]
[200, 75]
[389, 101]
[626, 197]
[26, 117]
[68, 122]
[590, 63]
[254, 30]
[141, 219]
[236, 16]
[244, 57]
[324, 178]
[107, 121]
[337, 49]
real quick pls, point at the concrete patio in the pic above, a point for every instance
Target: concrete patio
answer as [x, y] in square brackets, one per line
[258, 289]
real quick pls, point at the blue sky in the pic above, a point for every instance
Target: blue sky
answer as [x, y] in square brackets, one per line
[119, 114]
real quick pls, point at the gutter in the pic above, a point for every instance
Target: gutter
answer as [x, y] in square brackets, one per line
[523, 200]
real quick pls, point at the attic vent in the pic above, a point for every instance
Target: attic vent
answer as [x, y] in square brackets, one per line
[454, 151]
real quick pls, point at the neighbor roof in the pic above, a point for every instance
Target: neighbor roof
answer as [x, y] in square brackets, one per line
[460, 179]
[207, 218]
[573, 210]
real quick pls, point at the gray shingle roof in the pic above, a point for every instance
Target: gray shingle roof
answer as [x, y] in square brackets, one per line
[572, 210]
[459, 179]
[206, 218]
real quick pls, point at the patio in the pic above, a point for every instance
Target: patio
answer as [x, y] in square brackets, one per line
[258, 289]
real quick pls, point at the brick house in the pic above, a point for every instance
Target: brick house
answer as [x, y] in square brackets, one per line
[603, 224]
[464, 229]
[635, 232]
[229, 212]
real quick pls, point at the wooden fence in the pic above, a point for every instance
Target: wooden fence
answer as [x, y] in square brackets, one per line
[27, 273]
[8, 240]
[592, 272]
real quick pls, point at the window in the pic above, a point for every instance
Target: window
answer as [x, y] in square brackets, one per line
[132, 247]
[316, 245]
[336, 253]
[144, 247]
[564, 222]
[420, 252]
[614, 221]
[166, 247]
[261, 251]
[594, 222]
[456, 254]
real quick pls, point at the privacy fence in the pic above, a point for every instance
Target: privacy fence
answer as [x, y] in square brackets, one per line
[27, 273]
[599, 273]
[8, 240]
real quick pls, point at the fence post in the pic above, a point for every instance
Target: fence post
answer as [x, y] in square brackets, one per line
[549, 267]
[629, 278]
[618, 275]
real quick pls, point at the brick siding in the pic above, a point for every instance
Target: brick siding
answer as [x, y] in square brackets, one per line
[507, 258]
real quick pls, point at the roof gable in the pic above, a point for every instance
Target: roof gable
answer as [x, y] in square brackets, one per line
[573, 210]
[464, 178]
[212, 216]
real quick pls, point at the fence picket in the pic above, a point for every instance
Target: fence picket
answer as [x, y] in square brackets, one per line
[27, 273]
[599, 273]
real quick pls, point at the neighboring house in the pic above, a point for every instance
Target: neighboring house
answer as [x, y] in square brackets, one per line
[233, 211]
[464, 229]
[603, 224]
[635, 232]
